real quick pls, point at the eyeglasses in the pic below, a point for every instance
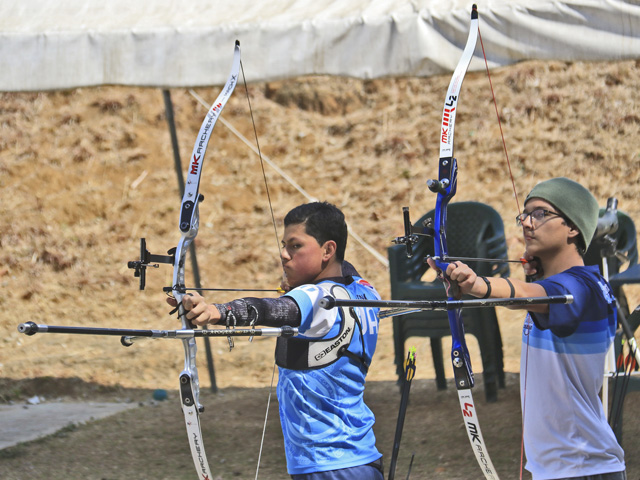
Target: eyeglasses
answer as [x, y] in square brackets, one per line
[536, 215]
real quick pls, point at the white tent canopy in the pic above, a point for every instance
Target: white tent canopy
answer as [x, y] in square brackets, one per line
[48, 45]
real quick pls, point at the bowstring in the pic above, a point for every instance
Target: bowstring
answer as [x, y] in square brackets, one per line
[275, 231]
[264, 174]
[515, 194]
[495, 105]
[266, 417]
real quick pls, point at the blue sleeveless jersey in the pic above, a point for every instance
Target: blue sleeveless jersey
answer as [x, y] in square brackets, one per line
[325, 422]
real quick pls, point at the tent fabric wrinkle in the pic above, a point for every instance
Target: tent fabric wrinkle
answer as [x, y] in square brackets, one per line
[48, 45]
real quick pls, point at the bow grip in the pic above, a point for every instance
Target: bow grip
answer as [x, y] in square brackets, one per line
[182, 315]
[451, 286]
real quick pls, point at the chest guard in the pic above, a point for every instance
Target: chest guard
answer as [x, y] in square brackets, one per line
[303, 354]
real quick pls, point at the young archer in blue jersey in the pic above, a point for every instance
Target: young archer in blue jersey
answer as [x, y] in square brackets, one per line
[327, 427]
[566, 434]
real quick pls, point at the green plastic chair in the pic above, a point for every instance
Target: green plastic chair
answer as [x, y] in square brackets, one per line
[473, 230]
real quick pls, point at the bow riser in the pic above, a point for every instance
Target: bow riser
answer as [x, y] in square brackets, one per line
[446, 187]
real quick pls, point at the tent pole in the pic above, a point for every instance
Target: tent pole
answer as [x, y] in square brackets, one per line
[168, 107]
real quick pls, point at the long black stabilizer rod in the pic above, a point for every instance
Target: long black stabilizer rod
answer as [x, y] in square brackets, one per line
[329, 302]
[128, 335]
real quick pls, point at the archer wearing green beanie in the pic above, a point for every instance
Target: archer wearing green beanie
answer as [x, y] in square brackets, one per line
[575, 202]
[564, 345]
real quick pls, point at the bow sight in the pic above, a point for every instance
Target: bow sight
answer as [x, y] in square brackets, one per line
[412, 234]
[139, 267]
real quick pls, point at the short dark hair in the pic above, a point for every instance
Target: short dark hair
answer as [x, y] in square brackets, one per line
[323, 221]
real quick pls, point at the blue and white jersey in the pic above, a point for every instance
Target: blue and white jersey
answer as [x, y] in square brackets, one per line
[325, 422]
[566, 433]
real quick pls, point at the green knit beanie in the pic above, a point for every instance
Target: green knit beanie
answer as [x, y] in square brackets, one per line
[577, 204]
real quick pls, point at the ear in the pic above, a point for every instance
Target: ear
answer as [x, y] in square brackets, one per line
[573, 231]
[329, 250]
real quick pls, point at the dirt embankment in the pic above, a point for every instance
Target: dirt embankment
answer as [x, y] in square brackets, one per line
[85, 173]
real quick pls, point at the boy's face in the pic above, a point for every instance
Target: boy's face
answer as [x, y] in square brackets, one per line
[546, 235]
[302, 257]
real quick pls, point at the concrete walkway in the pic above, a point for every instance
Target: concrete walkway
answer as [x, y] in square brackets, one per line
[23, 423]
